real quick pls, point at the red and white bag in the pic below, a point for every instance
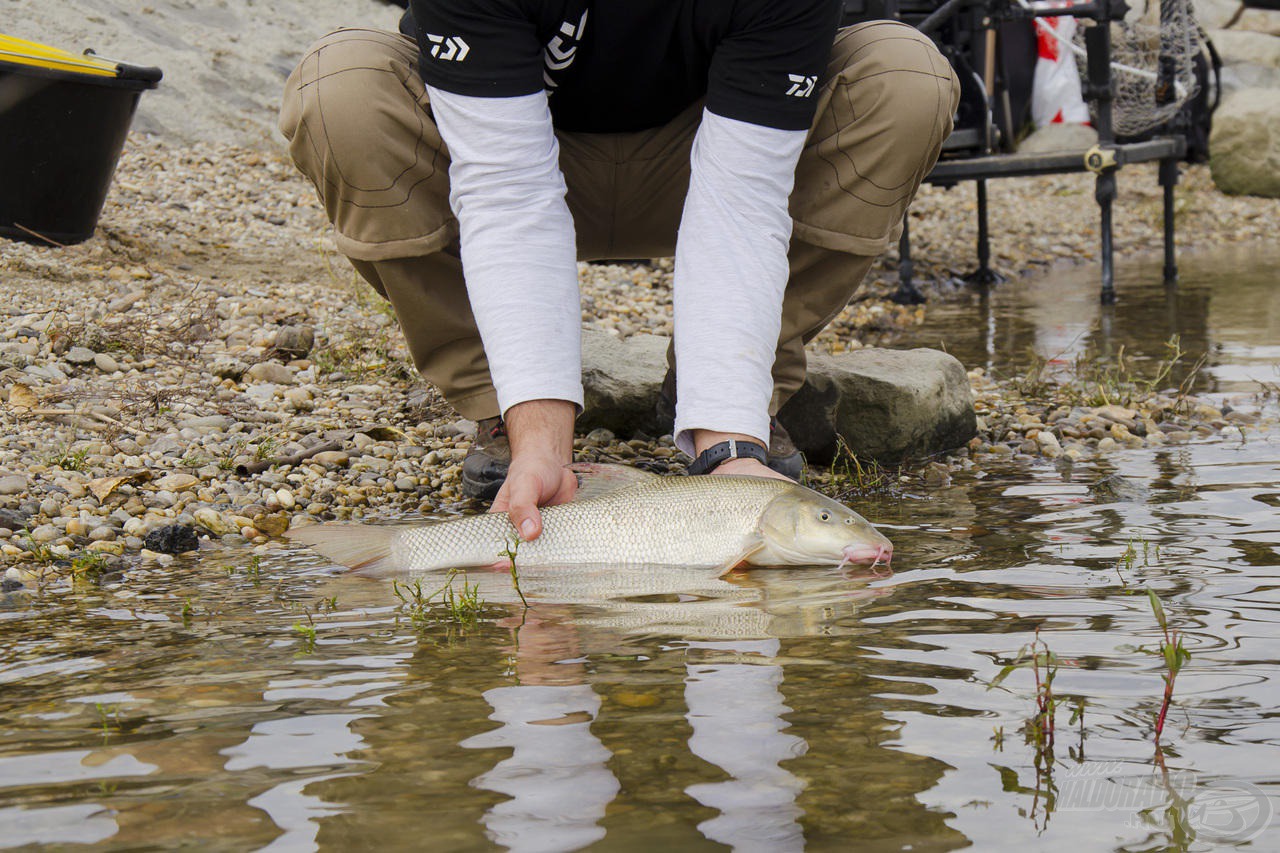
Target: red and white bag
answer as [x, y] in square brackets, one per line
[1056, 97]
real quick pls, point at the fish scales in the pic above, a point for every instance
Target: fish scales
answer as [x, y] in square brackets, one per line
[664, 520]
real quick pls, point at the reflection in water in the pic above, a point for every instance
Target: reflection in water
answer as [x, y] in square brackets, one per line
[557, 775]
[736, 712]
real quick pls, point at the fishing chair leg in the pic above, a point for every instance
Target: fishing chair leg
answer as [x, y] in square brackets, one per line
[907, 293]
[984, 275]
[1168, 180]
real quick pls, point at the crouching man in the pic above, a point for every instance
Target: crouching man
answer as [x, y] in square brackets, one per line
[470, 160]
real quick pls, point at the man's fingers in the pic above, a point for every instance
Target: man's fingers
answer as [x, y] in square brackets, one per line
[524, 508]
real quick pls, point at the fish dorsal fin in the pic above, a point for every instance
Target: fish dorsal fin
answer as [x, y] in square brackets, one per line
[597, 478]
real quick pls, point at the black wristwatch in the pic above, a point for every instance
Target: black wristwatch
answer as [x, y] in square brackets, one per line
[732, 449]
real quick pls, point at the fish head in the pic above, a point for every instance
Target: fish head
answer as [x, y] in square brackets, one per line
[803, 528]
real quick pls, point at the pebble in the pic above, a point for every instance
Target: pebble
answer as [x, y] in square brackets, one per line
[80, 355]
[272, 372]
[177, 482]
[299, 399]
[13, 484]
[334, 458]
[214, 521]
[103, 546]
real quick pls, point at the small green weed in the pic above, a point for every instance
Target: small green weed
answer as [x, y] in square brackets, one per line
[1043, 663]
[41, 552]
[510, 554]
[1175, 655]
[90, 566]
[308, 634]
[68, 459]
[463, 606]
[108, 720]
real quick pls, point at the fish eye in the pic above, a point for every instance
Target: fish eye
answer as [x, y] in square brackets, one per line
[824, 516]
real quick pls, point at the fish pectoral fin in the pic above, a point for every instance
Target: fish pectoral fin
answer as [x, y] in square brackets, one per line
[753, 546]
[596, 479]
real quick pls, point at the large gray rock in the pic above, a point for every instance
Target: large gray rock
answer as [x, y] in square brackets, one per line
[1241, 47]
[887, 405]
[621, 379]
[1212, 14]
[1244, 148]
[1249, 59]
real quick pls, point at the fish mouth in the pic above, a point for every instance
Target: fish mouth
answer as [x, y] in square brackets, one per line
[873, 553]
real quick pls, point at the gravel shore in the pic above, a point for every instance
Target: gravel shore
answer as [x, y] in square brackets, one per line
[150, 377]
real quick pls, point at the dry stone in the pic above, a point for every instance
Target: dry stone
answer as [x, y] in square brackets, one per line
[1244, 149]
[621, 379]
[887, 405]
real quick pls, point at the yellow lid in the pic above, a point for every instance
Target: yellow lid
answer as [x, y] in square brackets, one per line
[22, 52]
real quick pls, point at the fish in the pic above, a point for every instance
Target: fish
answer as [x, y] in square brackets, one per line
[624, 516]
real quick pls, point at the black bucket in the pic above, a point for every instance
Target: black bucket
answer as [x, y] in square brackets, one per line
[61, 133]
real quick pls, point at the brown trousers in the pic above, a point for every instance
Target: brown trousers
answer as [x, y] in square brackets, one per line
[359, 125]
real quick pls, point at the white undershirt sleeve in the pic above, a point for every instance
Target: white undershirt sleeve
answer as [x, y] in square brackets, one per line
[730, 274]
[518, 250]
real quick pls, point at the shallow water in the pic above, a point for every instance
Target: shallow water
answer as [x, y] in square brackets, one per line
[771, 710]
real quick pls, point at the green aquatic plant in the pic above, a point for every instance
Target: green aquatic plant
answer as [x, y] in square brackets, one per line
[308, 634]
[462, 606]
[510, 554]
[1174, 654]
[1043, 663]
[108, 720]
[90, 566]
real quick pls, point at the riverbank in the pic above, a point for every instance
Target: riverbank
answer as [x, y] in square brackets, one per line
[151, 376]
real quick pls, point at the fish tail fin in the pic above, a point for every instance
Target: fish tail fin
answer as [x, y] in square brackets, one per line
[366, 548]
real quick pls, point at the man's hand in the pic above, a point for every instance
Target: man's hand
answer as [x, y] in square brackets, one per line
[541, 434]
[742, 466]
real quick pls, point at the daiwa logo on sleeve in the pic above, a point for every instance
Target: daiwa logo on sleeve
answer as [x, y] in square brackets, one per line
[562, 48]
[448, 48]
[801, 86]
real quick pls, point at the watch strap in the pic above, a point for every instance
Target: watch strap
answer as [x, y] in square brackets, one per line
[710, 458]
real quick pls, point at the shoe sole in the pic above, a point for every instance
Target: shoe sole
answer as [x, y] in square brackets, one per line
[480, 490]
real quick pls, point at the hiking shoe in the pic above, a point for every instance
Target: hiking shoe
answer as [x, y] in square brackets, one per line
[485, 467]
[783, 455]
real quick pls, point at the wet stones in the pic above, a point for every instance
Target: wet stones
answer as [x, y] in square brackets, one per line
[172, 539]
